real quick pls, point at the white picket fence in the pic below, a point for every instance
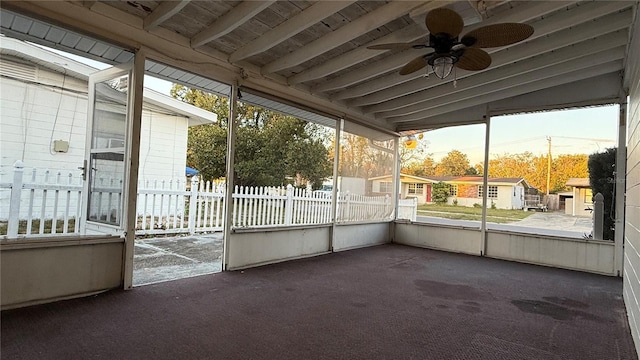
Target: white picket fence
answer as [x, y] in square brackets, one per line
[172, 207]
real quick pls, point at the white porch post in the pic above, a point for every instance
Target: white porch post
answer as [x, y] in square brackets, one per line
[132, 188]
[396, 189]
[231, 151]
[485, 181]
[334, 190]
[14, 204]
[620, 188]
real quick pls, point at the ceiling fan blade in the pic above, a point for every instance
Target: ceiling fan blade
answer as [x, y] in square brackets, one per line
[497, 35]
[443, 20]
[396, 46]
[413, 65]
[474, 59]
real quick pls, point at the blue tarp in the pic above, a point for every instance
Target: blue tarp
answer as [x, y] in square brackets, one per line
[191, 171]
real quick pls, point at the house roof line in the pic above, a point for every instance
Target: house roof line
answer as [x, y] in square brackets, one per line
[464, 179]
[62, 64]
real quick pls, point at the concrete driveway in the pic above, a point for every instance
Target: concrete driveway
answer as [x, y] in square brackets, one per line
[542, 223]
[176, 257]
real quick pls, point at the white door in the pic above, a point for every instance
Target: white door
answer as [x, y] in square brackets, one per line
[106, 169]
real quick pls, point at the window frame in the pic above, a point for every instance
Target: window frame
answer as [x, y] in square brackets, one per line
[490, 193]
[414, 187]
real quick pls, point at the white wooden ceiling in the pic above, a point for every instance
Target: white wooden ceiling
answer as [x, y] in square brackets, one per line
[314, 52]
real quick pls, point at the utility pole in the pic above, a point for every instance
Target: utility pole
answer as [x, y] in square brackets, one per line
[548, 164]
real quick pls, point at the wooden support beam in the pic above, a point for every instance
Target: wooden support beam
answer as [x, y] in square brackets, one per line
[405, 104]
[368, 93]
[230, 21]
[346, 33]
[307, 18]
[524, 85]
[163, 12]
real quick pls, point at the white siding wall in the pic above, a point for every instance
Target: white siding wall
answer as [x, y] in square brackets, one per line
[163, 147]
[35, 115]
[632, 210]
[503, 201]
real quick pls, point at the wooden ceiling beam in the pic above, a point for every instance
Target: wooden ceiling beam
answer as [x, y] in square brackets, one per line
[368, 94]
[522, 13]
[560, 74]
[307, 18]
[230, 21]
[163, 12]
[346, 33]
[407, 34]
[410, 103]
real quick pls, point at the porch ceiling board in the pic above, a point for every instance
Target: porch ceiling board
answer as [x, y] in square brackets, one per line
[163, 12]
[230, 21]
[554, 25]
[360, 26]
[314, 53]
[416, 101]
[309, 16]
[518, 14]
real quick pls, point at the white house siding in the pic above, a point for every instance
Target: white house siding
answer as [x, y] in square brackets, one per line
[34, 115]
[503, 201]
[631, 274]
[163, 145]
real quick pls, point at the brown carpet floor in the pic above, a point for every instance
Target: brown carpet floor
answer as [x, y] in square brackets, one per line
[383, 302]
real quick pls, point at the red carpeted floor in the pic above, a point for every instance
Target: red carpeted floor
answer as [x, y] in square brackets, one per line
[384, 302]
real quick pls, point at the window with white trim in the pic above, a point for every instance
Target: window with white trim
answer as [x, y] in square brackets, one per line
[492, 194]
[386, 187]
[416, 189]
[453, 190]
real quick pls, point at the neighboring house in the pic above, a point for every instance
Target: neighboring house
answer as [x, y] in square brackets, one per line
[43, 102]
[504, 193]
[580, 201]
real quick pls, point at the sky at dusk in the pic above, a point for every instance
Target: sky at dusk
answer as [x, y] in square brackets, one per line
[577, 131]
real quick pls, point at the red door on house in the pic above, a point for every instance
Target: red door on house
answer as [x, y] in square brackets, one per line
[428, 199]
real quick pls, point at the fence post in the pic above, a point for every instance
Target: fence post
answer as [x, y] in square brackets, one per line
[14, 204]
[193, 203]
[414, 212]
[288, 206]
[598, 216]
[347, 206]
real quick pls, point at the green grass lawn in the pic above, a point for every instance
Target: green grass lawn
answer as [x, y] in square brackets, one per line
[35, 226]
[472, 213]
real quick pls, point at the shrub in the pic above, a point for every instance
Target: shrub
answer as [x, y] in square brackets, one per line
[440, 193]
[476, 205]
[455, 202]
[602, 180]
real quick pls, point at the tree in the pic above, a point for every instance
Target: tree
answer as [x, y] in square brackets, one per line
[271, 148]
[440, 192]
[602, 180]
[425, 168]
[362, 158]
[454, 164]
[534, 169]
[565, 167]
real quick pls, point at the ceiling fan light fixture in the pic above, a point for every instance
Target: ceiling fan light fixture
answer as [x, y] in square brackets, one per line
[442, 66]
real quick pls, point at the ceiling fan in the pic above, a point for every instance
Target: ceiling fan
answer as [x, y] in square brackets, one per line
[445, 26]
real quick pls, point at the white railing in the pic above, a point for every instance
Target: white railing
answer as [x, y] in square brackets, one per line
[170, 207]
